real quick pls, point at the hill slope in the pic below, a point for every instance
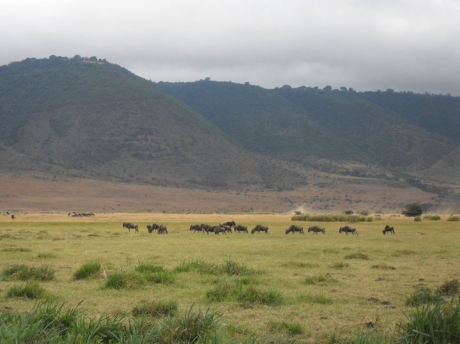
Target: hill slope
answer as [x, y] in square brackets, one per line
[87, 117]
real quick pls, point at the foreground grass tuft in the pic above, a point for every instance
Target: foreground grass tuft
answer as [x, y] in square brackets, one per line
[31, 290]
[156, 309]
[24, 273]
[125, 280]
[88, 270]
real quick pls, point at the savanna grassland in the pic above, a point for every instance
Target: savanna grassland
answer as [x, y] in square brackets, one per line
[305, 288]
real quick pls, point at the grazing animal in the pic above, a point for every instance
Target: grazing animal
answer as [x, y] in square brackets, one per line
[153, 228]
[13, 217]
[259, 228]
[130, 226]
[241, 228]
[388, 229]
[348, 229]
[294, 229]
[222, 229]
[196, 228]
[316, 229]
[162, 229]
[229, 223]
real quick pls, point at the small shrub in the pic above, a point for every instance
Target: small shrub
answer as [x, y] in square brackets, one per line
[88, 270]
[418, 219]
[31, 290]
[432, 217]
[453, 218]
[357, 256]
[156, 309]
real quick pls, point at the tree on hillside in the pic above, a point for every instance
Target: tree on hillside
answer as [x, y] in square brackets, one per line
[413, 209]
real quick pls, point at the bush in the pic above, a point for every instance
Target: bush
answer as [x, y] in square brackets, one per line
[432, 217]
[413, 209]
[453, 218]
[418, 219]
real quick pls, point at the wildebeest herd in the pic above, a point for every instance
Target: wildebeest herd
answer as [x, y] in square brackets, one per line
[231, 226]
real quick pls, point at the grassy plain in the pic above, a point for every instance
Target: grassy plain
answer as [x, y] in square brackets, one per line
[324, 285]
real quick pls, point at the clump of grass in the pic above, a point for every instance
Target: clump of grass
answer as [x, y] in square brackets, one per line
[161, 277]
[22, 272]
[321, 280]
[193, 327]
[340, 265]
[229, 267]
[251, 295]
[290, 328]
[31, 290]
[357, 256]
[422, 296]
[400, 253]
[418, 219]
[16, 249]
[88, 270]
[156, 309]
[383, 266]
[125, 280]
[448, 288]
[47, 255]
[438, 323]
[149, 268]
[453, 218]
[314, 299]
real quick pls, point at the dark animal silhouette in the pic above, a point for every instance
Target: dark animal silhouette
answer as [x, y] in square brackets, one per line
[196, 228]
[294, 229]
[259, 228]
[388, 229]
[241, 228]
[316, 230]
[162, 229]
[348, 229]
[152, 228]
[130, 226]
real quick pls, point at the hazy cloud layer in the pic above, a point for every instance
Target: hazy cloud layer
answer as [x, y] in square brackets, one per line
[364, 44]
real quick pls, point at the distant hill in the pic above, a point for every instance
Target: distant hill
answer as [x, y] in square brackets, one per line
[90, 118]
[86, 117]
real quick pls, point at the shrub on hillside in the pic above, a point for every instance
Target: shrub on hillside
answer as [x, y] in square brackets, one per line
[412, 209]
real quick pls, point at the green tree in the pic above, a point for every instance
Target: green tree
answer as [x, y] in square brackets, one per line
[413, 209]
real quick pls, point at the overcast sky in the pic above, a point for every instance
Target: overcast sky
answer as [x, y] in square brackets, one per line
[407, 45]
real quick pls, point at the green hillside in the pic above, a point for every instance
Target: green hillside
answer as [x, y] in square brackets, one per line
[98, 120]
[303, 123]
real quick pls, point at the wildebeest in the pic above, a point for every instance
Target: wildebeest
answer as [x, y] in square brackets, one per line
[152, 228]
[388, 229]
[130, 226]
[316, 229]
[241, 228]
[13, 217]
[207, 228]
[229, 223]
[259, 228]
[222, 229]
[162, 229]
[294, 229]
[348, 229]
[195, 228]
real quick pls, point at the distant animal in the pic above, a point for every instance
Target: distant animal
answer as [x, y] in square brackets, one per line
[130, 226]
[13, 217]
[152, 228]
[316, 230]
[241, 228]
[222, 229]
[259, 228]
[207, 228]
[294, 229]
[389, 229]
[162, 229]
[348, 229]
[196, 228]
[229, 223]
